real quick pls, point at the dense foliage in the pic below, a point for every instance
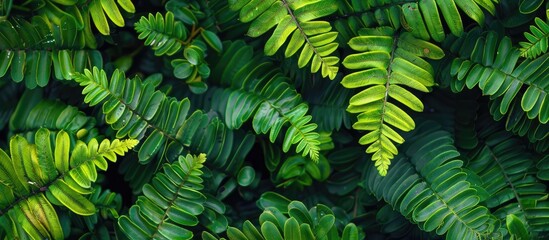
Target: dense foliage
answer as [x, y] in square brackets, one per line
[274, 119]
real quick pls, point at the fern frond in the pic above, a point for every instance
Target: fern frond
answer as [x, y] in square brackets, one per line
[167, 36]
[259, 90]
[100, 12]
[136, 109]
[506, 170]
[29, 49]
[170, 204]
[428, 185]
[292, 220]
[298, 19]
[52, 171]
[387, 62]
[424, 19]
[33, 112]
[131, 107]
[492, 65]
[518, 122]
[164, 34]
[538, 39]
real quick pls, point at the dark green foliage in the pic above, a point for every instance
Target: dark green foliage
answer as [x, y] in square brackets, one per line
[291, 220]
[51, 171]
[169, 204]
[274, 119]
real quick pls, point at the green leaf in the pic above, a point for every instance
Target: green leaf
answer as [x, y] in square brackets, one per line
[71, 199]
[151, 146]
[111, 9]
[291, 229]
[246, 176]
[98, 17]
[270, 231]
[350, 232]
[212, 40]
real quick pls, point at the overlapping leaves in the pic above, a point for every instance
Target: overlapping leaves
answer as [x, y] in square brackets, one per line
[538, 39]
[100, 12]
[298, 19]
[167, 36]
[33, 112]
[170, 204]
[259, 90]
[506, 170]
[163, 33]
[387, 63]
[424, 19]
[51, 171]
[518, 122]
[134, 108]
[282, 219]
[493, 65]
[429, 186]
[29, 49]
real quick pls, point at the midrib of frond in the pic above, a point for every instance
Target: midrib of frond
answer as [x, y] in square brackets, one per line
[172, 200]
[44, 188]
[386, 96]
[138, 114]
[300, 29]
[543, 91]
[509, 183]
[288, 119]
[437, 195]
[533, 45]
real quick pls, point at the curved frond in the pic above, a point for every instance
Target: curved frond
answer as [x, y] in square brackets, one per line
[170, 204]
[428, 185]
[52, 171]
[134, 108]
[499, 76]
[163, 33]
[29, 49]
[538, 39]
[33, 112]
[100, 12]
[518, 122]
[387, 63]
[296, 19]
[505, 168]
[424, 19]
[292, 220]
[258, 90]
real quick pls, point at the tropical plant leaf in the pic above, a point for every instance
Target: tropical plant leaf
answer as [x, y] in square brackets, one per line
[292, 220]
[538, 40]
[505, 167]
[35, 51]
[386, 62]
[33, 179]
[262, 92]
[502, 76]
[429, 186]
[299, 19]
[170, 204]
